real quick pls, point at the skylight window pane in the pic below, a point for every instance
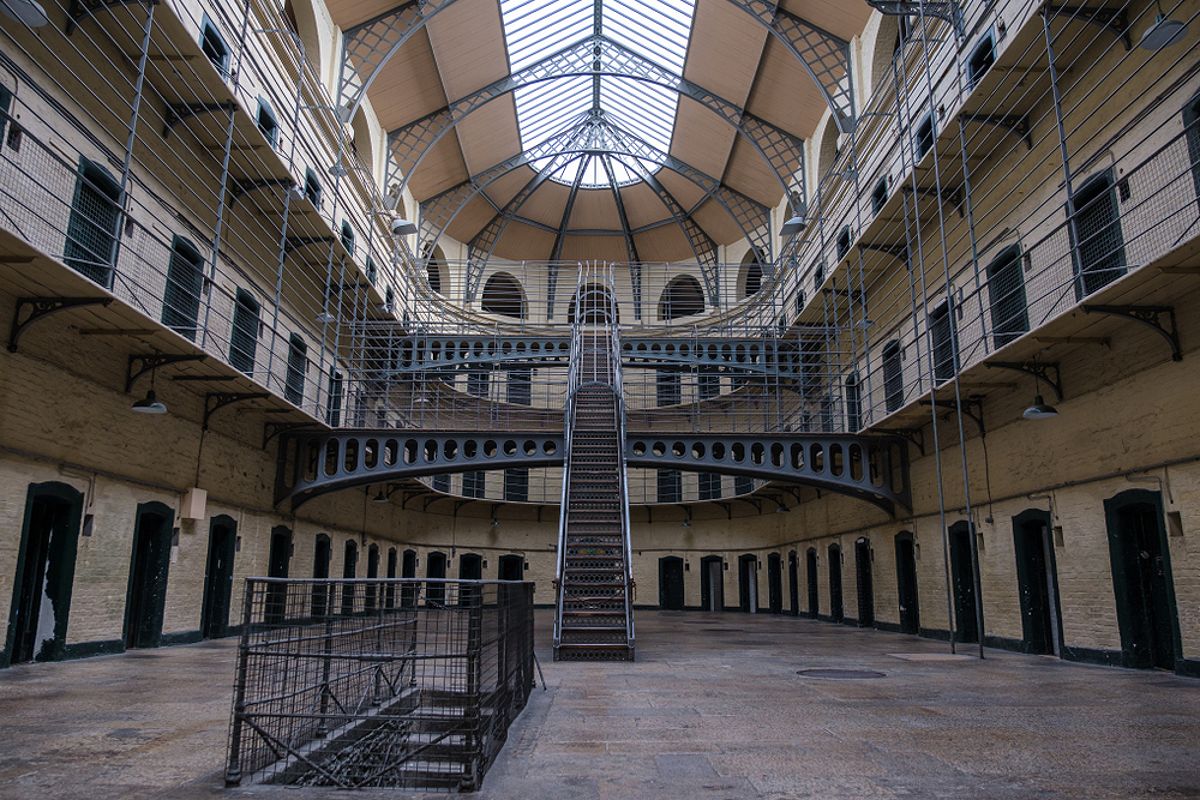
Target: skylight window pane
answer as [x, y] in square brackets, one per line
[658, 30]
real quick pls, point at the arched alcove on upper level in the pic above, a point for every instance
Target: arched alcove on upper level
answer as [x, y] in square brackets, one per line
[366, 144]
[595, 305]
[301, 17]
[503, 295]
[827, 149]
[437, 271]
[682, 297]
[750, 275]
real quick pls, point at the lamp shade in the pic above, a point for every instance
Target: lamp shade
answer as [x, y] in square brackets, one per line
[150, 404]
[1040, 410]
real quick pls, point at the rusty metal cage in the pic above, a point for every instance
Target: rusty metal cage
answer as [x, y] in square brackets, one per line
[398, 683]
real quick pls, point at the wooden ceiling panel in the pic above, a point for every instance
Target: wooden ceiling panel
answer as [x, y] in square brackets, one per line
[844, 18]
[750, 174]
[682, 189]
[442, 168]
[785, 94]
[724, 51]
[547, 204]
[503, 189]
[348, 13]
[701, 138]
[718, 223]
[468, 43]
[524, 242]
[665, 243]
[601, 248]
[642, 205]
[490, 135]
[595, 209]
[470, 221]
[408, 86]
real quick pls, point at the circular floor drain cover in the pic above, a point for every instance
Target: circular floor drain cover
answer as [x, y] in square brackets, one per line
[841, 674]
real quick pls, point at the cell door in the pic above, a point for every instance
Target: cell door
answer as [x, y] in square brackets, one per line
[837, 606]
[906, 584]
[218, 578]
[712, 583]
[1142, 582]
[775, 583]
[435, 568]
[794, 582]
[512, 567]
[278, 562]
[408, 569]
[149, 565]
[1037, 583]
[748, 583]
[670, 583]
[814, 596]
[45, 573]
[866, 582]
[962, 579]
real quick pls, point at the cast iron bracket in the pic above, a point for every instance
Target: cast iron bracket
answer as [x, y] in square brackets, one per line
[914, 435]
[40, 307]
[1017, 124]
[971, 406]
[1150, 316]
[273, 429]
[140, 364]
[215, 401]
[1112, 20]
[1038, 369]
[246, 185]
[181, 112]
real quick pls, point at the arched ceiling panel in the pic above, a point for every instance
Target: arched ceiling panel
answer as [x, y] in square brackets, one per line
[408, 86]
[665, 243]
[725, 49]
[749, 175]
[348, 13]
[477, 213]
[503, 189]
[684, 191]
[715, 220]
[844, 18]
[701, 138]
[444, 168]
[604, 248]
[595, 209]
[546, 204]
[489, 135]
[468, 43]
[522, 242]
[784, 94]
[642, 205]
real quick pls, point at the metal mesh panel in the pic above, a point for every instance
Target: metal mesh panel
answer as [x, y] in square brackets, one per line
[406, 684]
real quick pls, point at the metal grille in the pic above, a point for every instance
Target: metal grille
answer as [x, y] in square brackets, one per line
[406, 684]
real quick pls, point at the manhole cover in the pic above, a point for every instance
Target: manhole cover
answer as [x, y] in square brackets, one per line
[841, 674]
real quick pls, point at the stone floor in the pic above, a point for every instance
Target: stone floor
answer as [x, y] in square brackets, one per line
[714, 708]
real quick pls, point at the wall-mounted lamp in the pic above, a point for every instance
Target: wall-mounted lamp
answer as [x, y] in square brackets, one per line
[150, 404]
[1159, 36]
[27, 12]
[793, 226]
[1040, 409]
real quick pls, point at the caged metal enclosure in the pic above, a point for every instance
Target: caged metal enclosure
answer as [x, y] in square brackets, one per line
[396, 683]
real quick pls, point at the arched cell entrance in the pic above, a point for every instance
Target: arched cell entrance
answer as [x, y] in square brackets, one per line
[322, 556]
[906, 583]
[278, 564]
[712, 583]
[1037, 583]
[670, 583]
[503, 295]
[814, 596]
[218, 577]
[45, 574]
[775, 583]
[865, 579]
[512, 567]
[593, 305]
[435, 569]
[750, 275]
[837, 606]
[149, 564]
[962, 579]
[1142, 583]
[682, 297]
[408, 570]
[794, 582]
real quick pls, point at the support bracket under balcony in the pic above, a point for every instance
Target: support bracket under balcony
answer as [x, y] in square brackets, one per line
[1048, 373]
[914, 435]
[141, 363]
[215, 401]
[971, 407]
[247, 185]
[896, 251]
[1016, 124]
[273, 429]
[181, 112]
[37, 308]
[1110, 19]
[1151, 316]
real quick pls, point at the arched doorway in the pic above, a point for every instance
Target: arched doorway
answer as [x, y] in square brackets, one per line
[670, 583]
[512, 567]
[349, 573]
[148, 567]
[906, 583]
[408, 571]
[712, 583]
[437, 273]
[470, 568]
[218, 577]
[775, 583]
[322, 555]
[279, 559]
[962, 581]
[389, 591]
[594, 305]
[748, 583]
[435, 570]
[1037, 583]
[814, 596]
[1142, 582]
[503, 295]
[682, 297]
[837, 606]
[45, 574]
[372, 589]
[794, 582]
[865, 580]
[750, 275]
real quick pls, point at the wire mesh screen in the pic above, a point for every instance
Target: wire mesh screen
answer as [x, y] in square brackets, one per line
[378, 683]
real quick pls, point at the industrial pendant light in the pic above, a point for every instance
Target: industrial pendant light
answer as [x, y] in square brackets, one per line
[1159, 36]
[27, 12]
[325, 318]
[150, 404]
[1040, 409]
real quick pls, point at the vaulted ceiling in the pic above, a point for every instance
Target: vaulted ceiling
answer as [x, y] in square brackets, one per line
[632, 179]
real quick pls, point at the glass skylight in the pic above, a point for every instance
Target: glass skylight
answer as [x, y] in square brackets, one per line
[658, 30]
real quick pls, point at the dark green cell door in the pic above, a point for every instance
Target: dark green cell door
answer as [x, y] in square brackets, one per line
[866, 582]
[712, 583]
[408, 569]
[963, 581]
[906, 583]
[670, 583]
[837, 606]
[322, 555]
[1142, 583]
[775, 583]
[45, 573]
[218, 577]
[278, 560]
[748, 582]
[91, 245]
[435, 590]
[1099, 242]
[512, 567]
[470, 568]
[185, 284]
[1037, 583]
[794, 582]
[149, 565]
[814, 595]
